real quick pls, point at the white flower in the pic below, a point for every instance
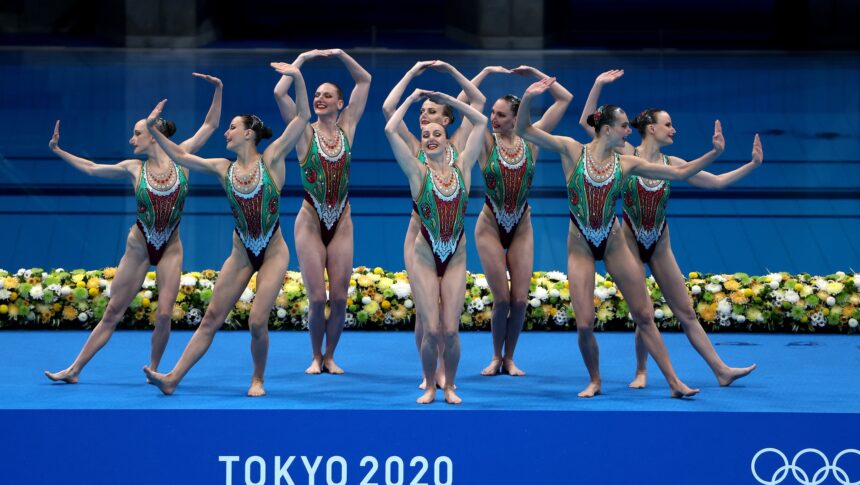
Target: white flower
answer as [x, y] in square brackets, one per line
[147, 294]
[840, 274]
[37, 292]
[45, 275]
[556, 276]
[148, 283]
[658, 314]
[739, 318]
[553, 293]
[612, 291]
[774, 285]
[204, 283]
[193, 316]
[365, 300]
[540, 293]
[485, 299]
[724, 307]
[107, 290]
[791, 296]
[55, 287]
[103, 282]
[696, 289]
[350, 291]
[778, 296]
[31, 316]
[59, 270]
[65, 290]
[479, 305]
[601, 292]
[831, 301]
[281, 313]
[481, 282]
[713, 287]
[350, 320]
[775, 277]
[21, 272]
[5, 294]
[2, 283]
[818, 319]
[725, 321]
[857, 281]
[560, 318]
[83, 316]
[247, 295]
[408, 304]
[534, 302]
[401, 289]
[852, 323]
[374, 277]
[821, 284]
[187, 280]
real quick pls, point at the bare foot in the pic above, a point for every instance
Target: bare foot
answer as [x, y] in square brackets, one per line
[451, 397]
[256, 389]
[423, 384]
[153, 368]
[68, 376]
[591, 390]
[316, 366]
[512, 368]
[639, 381]
[495, 367]
[162, 381]
[440, 379]
[733, 374]
[331, 367]
[681, 391]
[428, 397]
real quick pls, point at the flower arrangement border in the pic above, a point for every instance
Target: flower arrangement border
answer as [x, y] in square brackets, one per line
[382, 300]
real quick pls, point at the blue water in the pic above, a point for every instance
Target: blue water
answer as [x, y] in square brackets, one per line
[799, 212]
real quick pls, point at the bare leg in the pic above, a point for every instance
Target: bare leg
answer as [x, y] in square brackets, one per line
[452, 292]
[270, 280]
[630, 279]
[580, 275]
[312, 260]
[232, 281]
[425, 285]
[408, 255]
[339, 265]
[129, 277]
[520, 259]
[493, 261]
[671, 281]
[167, 276]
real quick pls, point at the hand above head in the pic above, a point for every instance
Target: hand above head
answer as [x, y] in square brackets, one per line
[718, 140]
[332, 52]
[285, 68]
[312, 54]
[540, 87]
[55, 140]
[609, 77]
[441, 66]
[421, 93]
[524, 70]
[210, 79]
[421, 66]
[497, 70]
[156, 113]
[757, 151]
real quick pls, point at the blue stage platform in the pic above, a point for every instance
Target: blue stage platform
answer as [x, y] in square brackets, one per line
[113, 428]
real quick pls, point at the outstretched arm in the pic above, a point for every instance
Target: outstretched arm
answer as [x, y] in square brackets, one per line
[590, 107]
[562, 97]
[350, 115]
[402, 152]
[527, 130]
[707, 180]
[276, 152]
[390, 104]
[115, 171]
[213, 117]
[476, 81]
[477, 124]
[474, 97]
[177, 153]
[640, 166]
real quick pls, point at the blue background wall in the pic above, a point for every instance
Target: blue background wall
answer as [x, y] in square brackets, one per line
[799, 212]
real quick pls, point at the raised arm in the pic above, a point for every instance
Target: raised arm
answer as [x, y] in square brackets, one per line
[276, 152]
[707, 180]
[403, 153]
[528, 131]
[477, 80]
[389, 106]
[590, 107]
[351, 115]
[474, 98]
[213, 117]
[115, 171]
[477, 127]
[285, 104]
[639, 166]
[562, 97]
[217, 166]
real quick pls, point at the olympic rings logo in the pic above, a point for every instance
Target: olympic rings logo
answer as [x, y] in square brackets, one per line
[839, 474]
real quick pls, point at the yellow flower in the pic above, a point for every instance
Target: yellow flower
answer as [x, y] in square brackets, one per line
[371, 307]
[178, 313]
[798, 286]
[693, 275]
[553, 311]
[109, 273]
[378, 270]
[13, 296]
[77, 278]
[854, 299]
[33, 280]
[385, 305]
[707, 311]
[349, 302]
[94, 292]
[739, 298]
[208, 274]
[57, 307]
[180, 297]
[10, 282]
[13, 312]
[69, 313]
[80, 284]
[145, 302]
[4, 309]
[566, 284]
[364, 281]
[732, 285]
[150, 275]
[187, 289]
[378, 297]
[607, 284]
[747, 292]
[835, 288]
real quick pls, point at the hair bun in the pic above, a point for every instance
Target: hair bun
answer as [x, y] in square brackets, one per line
[265, 132]
[590, 120]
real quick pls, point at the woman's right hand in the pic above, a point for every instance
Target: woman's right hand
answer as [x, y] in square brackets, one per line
[55, 140]
[539, 87]
[156, 113]
[718, 140]
[609, 77]
[421, 66]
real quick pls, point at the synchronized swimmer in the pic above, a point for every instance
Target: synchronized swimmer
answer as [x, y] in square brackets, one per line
[438, 167]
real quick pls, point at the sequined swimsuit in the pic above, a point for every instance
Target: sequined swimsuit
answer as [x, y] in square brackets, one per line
[592, 204]
[508, 187]
[645, 210]
[159, 211]
[442, 217]
[257, 213]
[326, 182]
[422, 159]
